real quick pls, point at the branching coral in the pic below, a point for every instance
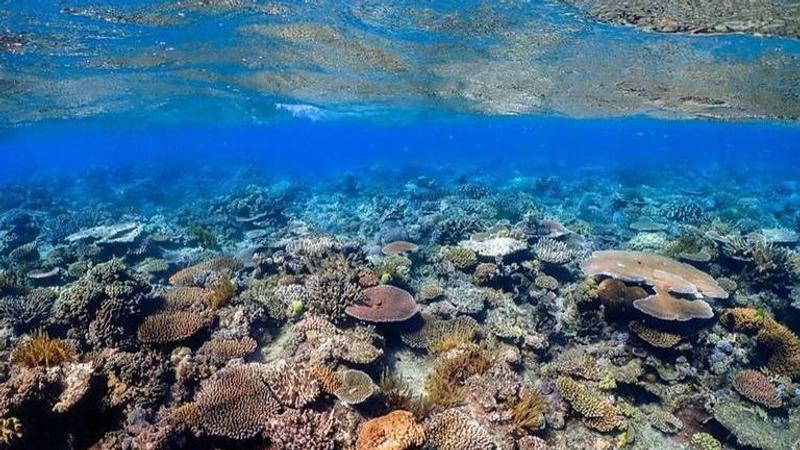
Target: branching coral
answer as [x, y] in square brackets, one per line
[301, 430]
[40, 349]
[227, 349]
[462, 258]
[654, 337]
[553, 252]
[10, 430]
[331, 291]
[25, 313]
[784, 346]
[293, 385]
[438, 335]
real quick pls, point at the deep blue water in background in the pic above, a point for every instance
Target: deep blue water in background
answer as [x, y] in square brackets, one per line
[307, 149]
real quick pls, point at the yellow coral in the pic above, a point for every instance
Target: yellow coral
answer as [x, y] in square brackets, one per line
[527, 412]
[769, 333]
[42, 350]
[10, 430]
[222, 292]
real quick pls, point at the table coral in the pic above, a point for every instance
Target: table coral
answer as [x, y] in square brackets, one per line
[170, 327]
[666, 277]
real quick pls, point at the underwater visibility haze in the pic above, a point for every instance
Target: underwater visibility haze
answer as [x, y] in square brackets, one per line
[400, 225]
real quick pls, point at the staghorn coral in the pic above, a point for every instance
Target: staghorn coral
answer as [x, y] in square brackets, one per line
[455, 429]
[170, 327]
[666, 276]
[227, 349]
[206, 272]
[597, 412]
[10, 430]
[40, 350]
[553, 251]
[654, 337]
[756, 387]
[356, 387]
[395, 431]
[783, 345]
[236, 403]
[293, 385]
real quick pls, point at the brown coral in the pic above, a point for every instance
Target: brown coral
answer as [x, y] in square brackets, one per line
[40, 350]
[227, 349]
[654, 337]
[527, 412]
[444, 384]
[617, 297]
[395, 431]
[183, 297]
[756, 387]
[434, 333]
[455, 429]
[170, 327]
[399, 247]
[329, 380]
[783, 345]
[222, 292]
[197, 274]
[597, 412]
[666, 277]
[236, 404]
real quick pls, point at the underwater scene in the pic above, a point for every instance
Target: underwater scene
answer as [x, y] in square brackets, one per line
[400, 225]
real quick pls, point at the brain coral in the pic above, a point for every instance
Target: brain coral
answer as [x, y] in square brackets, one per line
[756, 387]
[455, 429]
[236, 403]
[169, 327]
[395, 431]
[666, 277]
[597, 412]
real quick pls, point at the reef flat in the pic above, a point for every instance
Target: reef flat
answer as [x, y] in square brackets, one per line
[399, 308]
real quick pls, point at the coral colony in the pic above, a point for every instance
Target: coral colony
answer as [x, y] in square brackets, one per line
[461, 317]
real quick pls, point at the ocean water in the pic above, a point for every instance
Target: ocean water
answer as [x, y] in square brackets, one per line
[240, 224]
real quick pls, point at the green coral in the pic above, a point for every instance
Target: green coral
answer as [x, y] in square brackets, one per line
[607, 382]
[394, 269]
[753, 428]
[705, 441]
[204, 236]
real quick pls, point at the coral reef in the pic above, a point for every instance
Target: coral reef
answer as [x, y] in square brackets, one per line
[39, 349]
[397, 430]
